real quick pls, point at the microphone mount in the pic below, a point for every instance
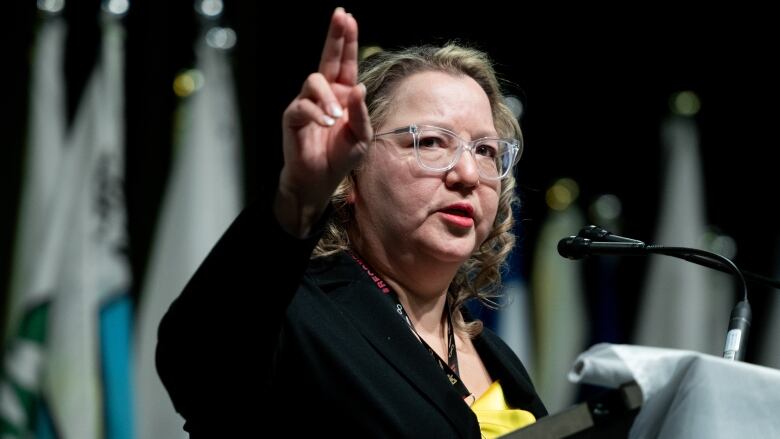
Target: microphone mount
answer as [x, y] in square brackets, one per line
[593, 240]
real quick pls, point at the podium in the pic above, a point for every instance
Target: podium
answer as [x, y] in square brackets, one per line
[666, 393]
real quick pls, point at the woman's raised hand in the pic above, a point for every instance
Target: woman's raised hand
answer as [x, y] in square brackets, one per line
[326, 130]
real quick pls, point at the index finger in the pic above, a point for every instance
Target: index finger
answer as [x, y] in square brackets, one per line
[339, 56]
[348, 73]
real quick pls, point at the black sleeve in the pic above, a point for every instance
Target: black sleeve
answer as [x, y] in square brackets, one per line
[216, 342]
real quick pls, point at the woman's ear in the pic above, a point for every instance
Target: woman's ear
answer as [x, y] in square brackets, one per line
[352, 188]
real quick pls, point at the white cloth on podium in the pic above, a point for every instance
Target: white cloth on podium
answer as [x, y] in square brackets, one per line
[688, 394]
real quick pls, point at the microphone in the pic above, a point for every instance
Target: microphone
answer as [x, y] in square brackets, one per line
[599, 234]
[594, 240]
[577, 247]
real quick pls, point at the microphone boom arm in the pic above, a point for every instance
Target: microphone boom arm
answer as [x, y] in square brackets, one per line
[702, 257]
[578, 247]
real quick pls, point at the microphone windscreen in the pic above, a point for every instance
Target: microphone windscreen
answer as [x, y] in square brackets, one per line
[572, 247]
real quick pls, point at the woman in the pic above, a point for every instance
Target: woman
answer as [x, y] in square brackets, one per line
[403, 184]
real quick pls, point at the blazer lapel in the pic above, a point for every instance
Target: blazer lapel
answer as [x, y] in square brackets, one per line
[503, 365]
[373, 314]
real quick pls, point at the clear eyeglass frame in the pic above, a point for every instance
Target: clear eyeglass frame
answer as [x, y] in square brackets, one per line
[507, 150]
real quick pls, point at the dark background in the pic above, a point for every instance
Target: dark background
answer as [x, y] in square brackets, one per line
[594, 83]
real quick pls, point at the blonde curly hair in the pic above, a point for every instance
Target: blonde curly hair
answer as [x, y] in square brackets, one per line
[480, 276]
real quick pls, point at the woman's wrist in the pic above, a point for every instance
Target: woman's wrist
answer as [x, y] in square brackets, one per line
[296, 215]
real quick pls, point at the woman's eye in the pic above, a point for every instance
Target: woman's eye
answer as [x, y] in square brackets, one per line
[432, 142]
[486, 149]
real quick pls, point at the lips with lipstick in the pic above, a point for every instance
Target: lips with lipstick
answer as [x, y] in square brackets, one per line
[458, 214]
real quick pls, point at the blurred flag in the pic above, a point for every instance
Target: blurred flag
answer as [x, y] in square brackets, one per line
[559, 302]
[204, 195]
[86, 380]
[605, 212]
[683, 306]
[513, 322]
[45, 143]
[38, 237]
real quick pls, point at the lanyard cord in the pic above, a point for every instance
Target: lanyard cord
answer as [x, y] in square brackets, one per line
[450, 367]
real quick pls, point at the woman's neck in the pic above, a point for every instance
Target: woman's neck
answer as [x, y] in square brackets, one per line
[414, 274]
[425, 311]
[420, 282]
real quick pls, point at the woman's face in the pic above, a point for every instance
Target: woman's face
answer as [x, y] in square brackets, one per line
[402, 209]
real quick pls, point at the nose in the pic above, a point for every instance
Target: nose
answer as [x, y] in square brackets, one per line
[465, 172]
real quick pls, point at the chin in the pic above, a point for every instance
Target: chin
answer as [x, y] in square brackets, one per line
[444, 246]
[453, 252]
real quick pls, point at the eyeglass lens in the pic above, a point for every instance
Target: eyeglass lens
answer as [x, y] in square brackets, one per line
[438, 149]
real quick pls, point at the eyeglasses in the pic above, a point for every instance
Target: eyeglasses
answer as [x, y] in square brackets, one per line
[438, 149]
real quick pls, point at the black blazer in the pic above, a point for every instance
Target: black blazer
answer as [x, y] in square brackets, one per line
[315, 341]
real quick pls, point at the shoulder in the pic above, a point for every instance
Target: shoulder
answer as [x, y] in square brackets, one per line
[332, 271]
[489, 338]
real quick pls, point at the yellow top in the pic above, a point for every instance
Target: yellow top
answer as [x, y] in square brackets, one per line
[495, 417]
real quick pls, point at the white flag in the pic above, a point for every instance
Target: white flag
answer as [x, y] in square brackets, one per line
[203, 197]
[683, 306]
[91, 308]
[38, 238]
[46, 138]
[91, 273]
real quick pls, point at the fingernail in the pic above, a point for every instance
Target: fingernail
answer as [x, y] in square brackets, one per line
[327, 120]
[363, 86]
[336, 111]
